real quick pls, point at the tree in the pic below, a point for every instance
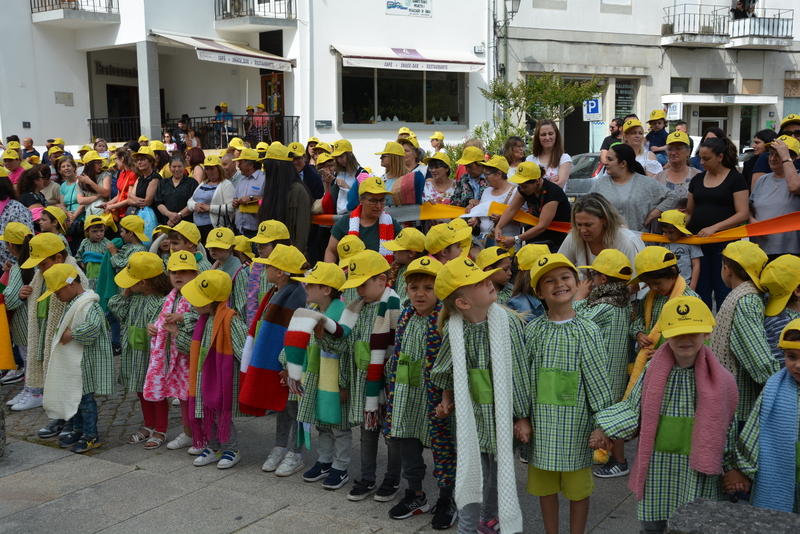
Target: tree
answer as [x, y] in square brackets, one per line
[547, 96]
[492, 137]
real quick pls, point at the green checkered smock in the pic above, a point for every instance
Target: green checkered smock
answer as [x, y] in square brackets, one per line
[569, 384]
[479, 358]
[238, 335]
[134, 313]
[670, 481]
[238, 298]
[97, 365]
[87, 245]
[658, 305]
[504, 294]
[120, 260]
[19, 319]
[400, 285]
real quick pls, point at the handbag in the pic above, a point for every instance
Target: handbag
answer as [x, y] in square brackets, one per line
[224, 220]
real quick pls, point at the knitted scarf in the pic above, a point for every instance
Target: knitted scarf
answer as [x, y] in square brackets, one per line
[216, 369]
[443, 446]
[614, 293]
[721, 336]
[376, 352]
[253, 288]
[717, 397]
[260, 385]
[385, 231]
[162, 346]
[469, 475]
[776, 478]
[655, 333]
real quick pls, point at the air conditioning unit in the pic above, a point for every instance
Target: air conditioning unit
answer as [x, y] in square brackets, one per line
[667, 29]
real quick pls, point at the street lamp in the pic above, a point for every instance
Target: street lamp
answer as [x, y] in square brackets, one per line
[512, 6]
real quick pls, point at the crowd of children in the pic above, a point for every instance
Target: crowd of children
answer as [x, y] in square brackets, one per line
[469, 352]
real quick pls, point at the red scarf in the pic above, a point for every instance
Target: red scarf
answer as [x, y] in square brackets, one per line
[385, 231]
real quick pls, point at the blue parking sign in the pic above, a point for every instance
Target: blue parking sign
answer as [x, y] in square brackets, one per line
[593, 109]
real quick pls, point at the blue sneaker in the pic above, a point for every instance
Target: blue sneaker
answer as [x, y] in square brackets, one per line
[69, 440]
[318, 472]
[336, 479]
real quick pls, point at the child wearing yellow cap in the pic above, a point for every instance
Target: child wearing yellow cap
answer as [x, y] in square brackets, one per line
[445, 241]
[481, 367]
[270, 234]
[683, 409]
[569, 383]
[16, 237]
[219, 336]
[781, 280]
[144, 285]
[186, 236]
[54, 221]
[168, 368]
[498, 260]
[740, 341]
[523, 298]
[221, 245]
[673, 227]
[131, 231]
[657, 136]
[92, 248]
[244, 250]
[407, 246]
[368, 322]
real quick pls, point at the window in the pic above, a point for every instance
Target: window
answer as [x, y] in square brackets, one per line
[624, 97]
[616, 2]
[751, 87]
[378, 95]
[708, 86]
[679, 85]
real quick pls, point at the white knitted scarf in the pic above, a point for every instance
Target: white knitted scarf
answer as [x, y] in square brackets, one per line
[469, 476]
[720, 343]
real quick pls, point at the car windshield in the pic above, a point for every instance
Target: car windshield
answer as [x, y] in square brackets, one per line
[584, 164]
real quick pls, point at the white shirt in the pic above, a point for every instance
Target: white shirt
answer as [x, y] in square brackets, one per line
[510, 229]
[551, 172]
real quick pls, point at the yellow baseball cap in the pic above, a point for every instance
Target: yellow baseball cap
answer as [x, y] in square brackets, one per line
[92, 220]
[782, 342]
[135, 224]
[212, 161]
[182, 261]
[750, 257]
[788, 119]
[458, 273]
[221, 238]
[392, 148]
[611, 262]
[3, 172]
[412, 140]
[373, 185]
[630, 123]
[243, 245]
[185, 228]
[652, 259]
[678, 137]
[443, 235]
[279, 152]
[313, 140]
[657, 114]
[36, 159]
[322, 145]
[55, 149]
[157, 145]
[237, 143]
[59, 141]
[57, 277]
[144, 152]
[60, 216]
[677, 219]
[262, 147]
[527, 255]
[364, 266]
[141, 266]
[686, 315]
[340, 147]
[262, 106]
[223, 104]
[471, 154]
[498, 162]
[323, 158]
[326, 274]
[108, 220]
[441, 156]
[405, 130]
[460, 223]
[285, 258]
[81, 150]
[437, 135]
[10, 154]
[43, 246]
[209, 286]
[791, 143]
[407, 239]
[780, 278]
[15, 233]
[249, 108]
[296, 150]
[526, 172]
[269, 231]
[424, 265]
[141, 138]
[490, 256]
[349, 246]
[91, 155]
[14, 145]
[547, 263]
[248, 154]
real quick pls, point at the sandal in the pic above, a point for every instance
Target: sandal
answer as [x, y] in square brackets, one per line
[154, 442]
[140, 436]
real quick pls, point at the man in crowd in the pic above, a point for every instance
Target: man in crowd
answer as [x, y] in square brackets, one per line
[248, 190]
[28, 148]
[615, 129]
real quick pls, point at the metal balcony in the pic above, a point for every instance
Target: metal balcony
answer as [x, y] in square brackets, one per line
[694, 25]
[768, 29]
[75, 14]
[247, 16]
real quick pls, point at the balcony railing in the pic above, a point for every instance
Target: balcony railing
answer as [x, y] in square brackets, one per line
[775, 23]
[116, 129]
[695, 19]
[94, 6]
[278, 9]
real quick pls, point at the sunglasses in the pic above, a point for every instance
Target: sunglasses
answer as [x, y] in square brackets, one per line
[376, 201]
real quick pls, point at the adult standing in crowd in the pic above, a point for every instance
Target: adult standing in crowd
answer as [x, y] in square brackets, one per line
[718, 200]
[790, 125]
[681, 126]
[143, 193]
[615, 136]
[28, 149]
[249, 191]
[437, 141]
[548, 151]
[439, 187]
[393, 161]
[126, 178]
[313, 182]
[192, 141]
[68, 199]
[514, 152]
[10, 210]
[499, 190]
[52, 190]
[173, 194]
[471, 185]
[196, 157]
[413, 155]
[212, 200]
[777, 193]
[709, 133]
[30, 187]
[347, 169]
[759, 144]
[180, 133]
[546, 200]
[12, 163]
[633, 136]
[677, 176]
[311, 155]
[94, 184]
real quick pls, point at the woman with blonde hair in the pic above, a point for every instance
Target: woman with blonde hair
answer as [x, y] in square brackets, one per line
[413, 155]
[393, 161]
[548, 151]
[633, 136]
[514, 152]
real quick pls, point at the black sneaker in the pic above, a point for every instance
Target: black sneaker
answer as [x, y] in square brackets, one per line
[411, 504]
[85, 444]
[361, 488]
[68, 428]
[54, 428]
[388, 491]
[69, 440]
[117, 350]
[445, 513]
[318, 472]
[612, 469]
[336, 479]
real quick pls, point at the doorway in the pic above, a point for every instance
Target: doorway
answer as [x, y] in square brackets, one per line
[575, 133]
[122, 100]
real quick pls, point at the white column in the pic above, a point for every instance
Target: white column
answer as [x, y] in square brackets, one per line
[149, 85]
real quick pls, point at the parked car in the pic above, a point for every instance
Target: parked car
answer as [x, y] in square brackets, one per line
[585, 169]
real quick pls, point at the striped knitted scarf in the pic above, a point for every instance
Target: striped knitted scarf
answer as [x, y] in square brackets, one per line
[376, 352]
[385, 231]
[720, 342]
[253, 289]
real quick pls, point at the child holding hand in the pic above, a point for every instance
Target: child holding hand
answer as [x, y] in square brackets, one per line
[91, 250]
[498, 260]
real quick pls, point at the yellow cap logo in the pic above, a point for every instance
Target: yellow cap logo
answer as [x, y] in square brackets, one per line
[352, 267]
[469, 263]
[630, 122]
[219, 234]
[682, 309]
[451, 228]
[204, 284]
[346, 248]
[425, 262]
[314, 268]
[543, 262]
[263, 227]
[183, 256]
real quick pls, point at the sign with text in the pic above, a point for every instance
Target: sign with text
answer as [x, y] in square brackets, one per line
[409, 8]
[593, 109]
[675, 112]
[246, 61]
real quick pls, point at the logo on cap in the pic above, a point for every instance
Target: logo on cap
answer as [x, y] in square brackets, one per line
[543, 262]
[314, 268]
[31, 248]
[346, 248]
[676, 135]
[399, 235]
[425, 262]
[263, 227]
[469, 263]
[219, 234]
[183, 256]
[378, 181]
[451, 228]
[204, 284]
[352, 267]
[682, 309]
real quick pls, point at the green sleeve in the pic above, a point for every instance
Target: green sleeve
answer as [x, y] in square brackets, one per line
[521, 361]
[729, 456]
[621, 420]
[81, 250]
[749, 341]
[747, 450]
[442, 370]
[238, 336]
[119, 305]
[88, 332]
[638, 323]
[345, 360]
[594, 369]
[11, 292]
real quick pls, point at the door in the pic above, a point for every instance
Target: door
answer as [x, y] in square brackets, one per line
[705, 124]
[575, 133]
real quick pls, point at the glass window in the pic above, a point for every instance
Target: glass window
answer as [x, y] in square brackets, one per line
[709, 86]
[679, 85]
[624, 97]
[442, 97]
[358, 95]
[400, 95]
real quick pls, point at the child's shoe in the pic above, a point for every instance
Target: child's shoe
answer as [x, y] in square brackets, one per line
[194, 451]
[445, 513]
[54, 428]
[361, 489]
[291, 464]
[208, 456]
[318, 472]
[411, 504]
[273, 460]
[229, 459]
[489, 527]
[18, 397]
[336, 479]
[180, 442]
[388, 490]
[69, 426]
[612, 469]
[86, 444]
[13, 376]
[70, 439]
[28, 401]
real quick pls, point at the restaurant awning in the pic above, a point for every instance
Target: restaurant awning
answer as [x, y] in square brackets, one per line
[225, 52]
[409, 59]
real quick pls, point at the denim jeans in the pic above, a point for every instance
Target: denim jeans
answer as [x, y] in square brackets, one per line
[114, 324]
[710, 279]
[470, 515]
[369, 456]
[286, 428]
[85, 419]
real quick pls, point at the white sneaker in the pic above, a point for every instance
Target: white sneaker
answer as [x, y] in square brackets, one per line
[28, 402]
[194, 451]
[274, 459]
[208, 456]
[180, 442]
[14, 376]
[291, 464]
[18, 397]
[229, 459]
